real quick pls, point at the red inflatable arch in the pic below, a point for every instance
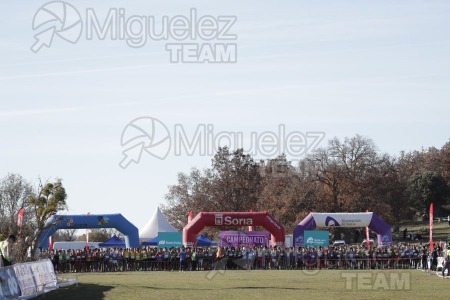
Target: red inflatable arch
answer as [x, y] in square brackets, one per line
[203, 219]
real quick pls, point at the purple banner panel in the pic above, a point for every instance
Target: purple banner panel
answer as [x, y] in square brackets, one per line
[248, 239]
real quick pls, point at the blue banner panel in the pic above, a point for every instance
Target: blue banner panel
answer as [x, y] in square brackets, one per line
[317, 238]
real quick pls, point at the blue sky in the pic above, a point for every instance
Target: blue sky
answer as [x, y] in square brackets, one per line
[376, 68]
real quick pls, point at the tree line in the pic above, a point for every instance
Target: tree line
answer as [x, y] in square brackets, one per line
[349, 175]
[37, 203]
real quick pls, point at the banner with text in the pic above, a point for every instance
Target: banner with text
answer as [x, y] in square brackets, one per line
[36, 277]
[170, 239]
[9, 287]
[248, 239]
[342, 219]
[316, 238]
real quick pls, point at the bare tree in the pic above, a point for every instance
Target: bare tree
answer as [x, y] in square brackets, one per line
[348, 175]
[65, 235]
[14, 193]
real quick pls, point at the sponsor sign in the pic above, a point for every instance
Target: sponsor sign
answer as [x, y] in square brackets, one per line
[248, 239]
[221, 219]
[385, 240]
[9, 287]
[170, 239]
[25, 278]
[342, 219]
[299, 241]
[317, 238]
[44, 275]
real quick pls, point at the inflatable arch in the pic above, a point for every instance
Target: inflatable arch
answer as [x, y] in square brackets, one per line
[368, 219]
[204, 219]
[116, 221]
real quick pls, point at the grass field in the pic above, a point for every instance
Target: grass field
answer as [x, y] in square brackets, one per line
[326, 284]
[440, 230]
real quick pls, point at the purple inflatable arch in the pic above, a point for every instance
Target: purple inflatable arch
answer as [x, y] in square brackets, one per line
[367, 219]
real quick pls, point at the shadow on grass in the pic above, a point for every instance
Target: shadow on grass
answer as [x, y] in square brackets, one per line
[80, 292]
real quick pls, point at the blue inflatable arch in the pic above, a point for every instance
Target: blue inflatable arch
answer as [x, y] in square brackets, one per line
[323, 220]
[117, 221]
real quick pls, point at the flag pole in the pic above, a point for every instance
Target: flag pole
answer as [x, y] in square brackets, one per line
[190, 216]
[431, 227]
[87, 235]
[367, 234]
[20, 219]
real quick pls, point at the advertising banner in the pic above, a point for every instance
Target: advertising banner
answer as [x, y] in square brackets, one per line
[170, 239]
[248, 239]
[316, 238]
[342, 219]
[25, 278]
[321, 220]
[235, 219]
[299, 241]
[44, 275]
[9, 287]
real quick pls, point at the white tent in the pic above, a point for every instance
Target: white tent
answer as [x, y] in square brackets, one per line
[157, 223]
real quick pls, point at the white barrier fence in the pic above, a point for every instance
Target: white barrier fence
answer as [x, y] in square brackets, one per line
[28, 280]
[9, 288]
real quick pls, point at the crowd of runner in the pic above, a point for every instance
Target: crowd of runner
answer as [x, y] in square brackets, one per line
[274, 258]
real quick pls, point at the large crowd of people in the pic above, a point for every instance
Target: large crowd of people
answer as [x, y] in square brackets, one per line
[400, 256]
[261, 258]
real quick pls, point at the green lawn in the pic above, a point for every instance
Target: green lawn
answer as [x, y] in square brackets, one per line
[440, 230]
[326, 284]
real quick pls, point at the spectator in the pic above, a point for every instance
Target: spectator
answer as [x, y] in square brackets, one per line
[6, 251]
[219, 257]
[251, 258]
[29, 244]
[182, 259]
[194, 255]
[434, 256]
[446, 267]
